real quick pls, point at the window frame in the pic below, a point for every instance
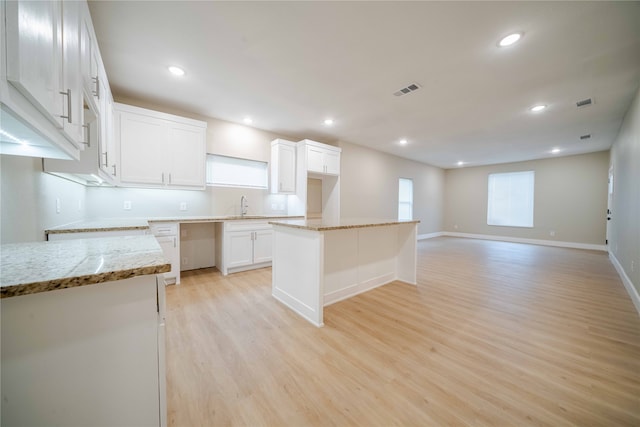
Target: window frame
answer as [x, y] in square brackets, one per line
[402, 202]
[210, 163]
[529, 200]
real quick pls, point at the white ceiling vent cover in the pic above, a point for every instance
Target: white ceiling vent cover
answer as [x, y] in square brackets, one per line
[584, 103]
[408, 89]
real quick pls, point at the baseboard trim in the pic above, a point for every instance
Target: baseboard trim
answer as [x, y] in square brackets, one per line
[626, 281]
[573, 245]
[430, 235]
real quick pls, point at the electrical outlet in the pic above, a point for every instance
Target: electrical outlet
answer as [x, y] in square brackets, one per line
[183, 206]
[57, 205]
[127, 205]
[185, 261]
[552, 233]
[274, 206]
[455, 226]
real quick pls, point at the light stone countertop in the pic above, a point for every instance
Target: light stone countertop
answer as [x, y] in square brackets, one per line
[342, 224]
[116, 224]
[28, 268]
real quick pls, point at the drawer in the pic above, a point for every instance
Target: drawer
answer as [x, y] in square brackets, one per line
[164, 228]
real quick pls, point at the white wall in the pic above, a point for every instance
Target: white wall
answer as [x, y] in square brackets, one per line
[624, 239]
[369, 187]
[28, 200]
[570, 199]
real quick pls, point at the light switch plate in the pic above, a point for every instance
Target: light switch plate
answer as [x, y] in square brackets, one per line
[57, 205]
[183, 206]
[127, 205]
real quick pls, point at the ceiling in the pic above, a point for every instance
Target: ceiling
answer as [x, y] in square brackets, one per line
[290, 65]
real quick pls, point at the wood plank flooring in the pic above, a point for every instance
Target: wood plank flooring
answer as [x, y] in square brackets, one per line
[495, 334]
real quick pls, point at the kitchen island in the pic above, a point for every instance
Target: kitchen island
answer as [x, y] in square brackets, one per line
[317, 263]
[82, 329]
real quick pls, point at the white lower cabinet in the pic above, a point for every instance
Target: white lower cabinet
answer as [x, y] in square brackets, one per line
[245, 245]
[85, 356]
[166, 234]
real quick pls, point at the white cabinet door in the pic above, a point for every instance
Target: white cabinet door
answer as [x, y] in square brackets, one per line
[283, 167]
[160, 150]
[34, 54]
[142, 141]
[169, 245]
[109, 137]
[332, 163]
[186, 155]
[238, 248]
[262, 246]
[71, 78]
[315, 159]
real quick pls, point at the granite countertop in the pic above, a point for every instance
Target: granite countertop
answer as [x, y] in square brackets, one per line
[345, 223]
[116, 224]
[107, 224]
[29, 268]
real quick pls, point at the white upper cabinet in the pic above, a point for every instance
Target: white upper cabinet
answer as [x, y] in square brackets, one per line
[34, 54]
[283, 166]
[41, 86]
[321, 158]
[159, 150]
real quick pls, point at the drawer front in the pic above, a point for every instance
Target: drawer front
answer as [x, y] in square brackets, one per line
[164, 228]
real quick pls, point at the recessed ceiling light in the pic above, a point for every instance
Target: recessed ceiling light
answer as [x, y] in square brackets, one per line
[460, 163]
[555, 150]
[403, 142]
[538, 108]
[510, 39]
[328, 122]
[247, 120]
[176, 71]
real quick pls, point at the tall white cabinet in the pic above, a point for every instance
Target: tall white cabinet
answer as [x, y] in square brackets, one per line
[158, 149]
[322, 162]
[283, 166]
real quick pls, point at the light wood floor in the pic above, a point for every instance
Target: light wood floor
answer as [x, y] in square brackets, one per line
[495, 334]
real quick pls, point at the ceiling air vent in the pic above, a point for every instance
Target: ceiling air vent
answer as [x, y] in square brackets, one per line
[584, 103]
[583, 137]
[405, 90]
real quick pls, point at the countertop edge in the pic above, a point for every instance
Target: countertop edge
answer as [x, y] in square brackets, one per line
[94, 229]
[340, 227]
[85, 280]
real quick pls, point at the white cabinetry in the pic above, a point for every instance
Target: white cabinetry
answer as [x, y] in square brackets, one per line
[158, 149]
[245, 245]
[322, 158]
[283, 167]
[41, 87]
[88, 355]
[166, 234]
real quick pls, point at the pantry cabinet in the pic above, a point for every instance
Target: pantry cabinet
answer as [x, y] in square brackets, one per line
[158, 149]
[283, 167]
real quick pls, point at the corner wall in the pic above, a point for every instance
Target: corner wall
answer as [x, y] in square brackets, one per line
[570, 199]
[624, 237]
[369, 187]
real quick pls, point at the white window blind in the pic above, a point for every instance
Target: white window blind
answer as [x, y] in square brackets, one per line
[405, 199]
[511, 199]
[235, 172]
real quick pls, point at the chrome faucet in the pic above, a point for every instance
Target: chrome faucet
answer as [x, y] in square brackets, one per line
[243, 206]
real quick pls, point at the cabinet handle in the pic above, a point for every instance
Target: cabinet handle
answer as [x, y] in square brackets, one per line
[96, 92]
[114, 170]
[85, 129]
[68, 95]
[106, 158]
[280, 186]
[169, 178]
[174, 242]
[163, 177]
